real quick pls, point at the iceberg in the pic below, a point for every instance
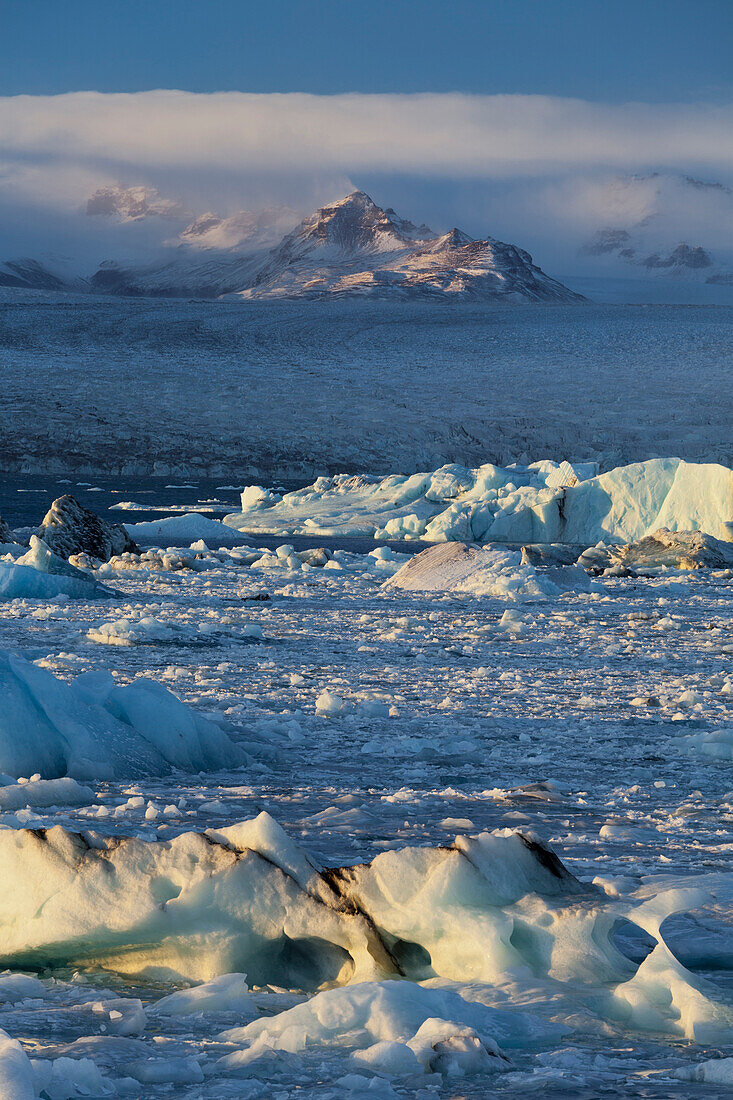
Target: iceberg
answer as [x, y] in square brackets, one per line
[662, 549]
[498, 908]
[545, 502]
[470, 570]
[94, 728]
[187, 528]
[41, 574]
[70, 528]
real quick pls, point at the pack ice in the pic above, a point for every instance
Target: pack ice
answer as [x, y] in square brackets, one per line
[545, 502]
[95, 728]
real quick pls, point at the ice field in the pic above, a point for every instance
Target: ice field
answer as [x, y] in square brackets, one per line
[101, 386]
[299, 822]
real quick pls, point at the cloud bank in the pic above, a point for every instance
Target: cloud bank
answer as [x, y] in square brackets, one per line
[464, 134]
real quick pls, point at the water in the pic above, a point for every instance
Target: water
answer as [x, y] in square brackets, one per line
[25, 499]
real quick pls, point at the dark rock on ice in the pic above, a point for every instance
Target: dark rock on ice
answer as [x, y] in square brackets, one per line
[70, 528]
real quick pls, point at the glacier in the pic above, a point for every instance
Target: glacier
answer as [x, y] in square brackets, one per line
[412, 386]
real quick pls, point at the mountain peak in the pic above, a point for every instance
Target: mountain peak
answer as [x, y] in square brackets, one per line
[355, 224]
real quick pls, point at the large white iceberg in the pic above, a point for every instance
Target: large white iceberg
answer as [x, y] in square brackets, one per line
[496, 908]
[185, 528]
[378, 944]
[95, 728]
[545, 502]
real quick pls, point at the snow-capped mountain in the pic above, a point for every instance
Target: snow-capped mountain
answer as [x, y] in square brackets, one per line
[354, 247]
[349, 248]
[668, 225]
[29, 274]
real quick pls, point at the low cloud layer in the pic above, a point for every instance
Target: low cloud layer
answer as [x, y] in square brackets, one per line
[489, 163]
[453, 134]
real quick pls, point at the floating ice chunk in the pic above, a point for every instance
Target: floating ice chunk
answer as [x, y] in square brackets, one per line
[472, 570]
[45, 792]
[39, 574]
[121, 1015]
[164, 1071]
[443, 1032]
[15, 987]
[717, 744]
[255, 496]
[16, 1073]
[514, 623]
[68, 1078]
[93, 728]
[455, 1050]
[718, 1071]
[330, 705]
[228, 993]
[180, 736]
[188, 528]
[129, 632]
[269, 906]
[390, 1057]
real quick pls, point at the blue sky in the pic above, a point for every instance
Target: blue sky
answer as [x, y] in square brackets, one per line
[607, 50]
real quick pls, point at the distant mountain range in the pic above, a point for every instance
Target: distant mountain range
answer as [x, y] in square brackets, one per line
[654, 234]
[350, 248]
[642, 230]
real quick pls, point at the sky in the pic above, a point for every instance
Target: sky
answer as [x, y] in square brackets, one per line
[609, 50]
[535, 121]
